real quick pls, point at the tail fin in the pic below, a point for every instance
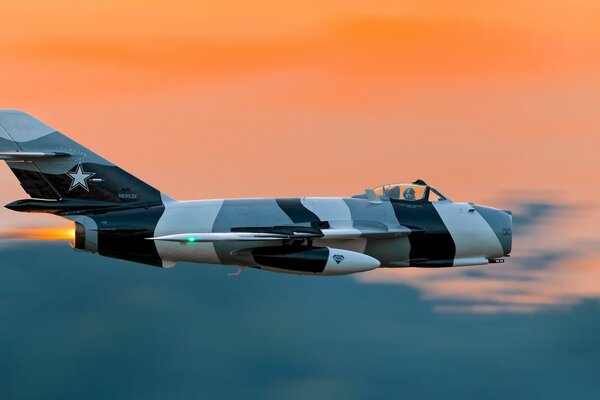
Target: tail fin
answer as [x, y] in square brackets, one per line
[49, 165]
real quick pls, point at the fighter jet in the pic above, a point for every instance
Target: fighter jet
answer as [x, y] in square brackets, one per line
[118, 215]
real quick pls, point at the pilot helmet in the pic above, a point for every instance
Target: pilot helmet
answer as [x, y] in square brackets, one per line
[409, 194]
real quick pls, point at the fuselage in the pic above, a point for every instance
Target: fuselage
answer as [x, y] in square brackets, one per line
[444, 233]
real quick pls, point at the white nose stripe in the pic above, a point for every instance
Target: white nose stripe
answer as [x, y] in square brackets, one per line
[472, 235]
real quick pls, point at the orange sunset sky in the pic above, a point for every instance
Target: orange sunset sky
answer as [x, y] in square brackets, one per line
[483, 99]
[490, 101]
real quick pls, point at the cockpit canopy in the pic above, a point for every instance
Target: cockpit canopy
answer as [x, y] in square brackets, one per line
[418, 191]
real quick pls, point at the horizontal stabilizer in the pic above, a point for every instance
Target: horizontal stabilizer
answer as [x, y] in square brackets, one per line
[56, 207]
[30, 155]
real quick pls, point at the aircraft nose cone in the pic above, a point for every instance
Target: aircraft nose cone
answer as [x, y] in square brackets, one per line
[501, 223]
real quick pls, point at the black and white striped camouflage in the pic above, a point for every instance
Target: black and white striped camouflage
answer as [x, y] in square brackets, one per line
[120, 216]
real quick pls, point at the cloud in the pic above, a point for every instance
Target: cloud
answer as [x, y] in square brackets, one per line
[531, 214]
[539, 275]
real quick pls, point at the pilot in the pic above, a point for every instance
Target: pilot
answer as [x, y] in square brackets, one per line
[409, 194]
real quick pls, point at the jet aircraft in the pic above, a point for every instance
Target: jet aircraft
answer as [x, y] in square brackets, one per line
[118, 215]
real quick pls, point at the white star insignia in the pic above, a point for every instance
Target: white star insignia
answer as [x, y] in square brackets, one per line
[80, 178]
